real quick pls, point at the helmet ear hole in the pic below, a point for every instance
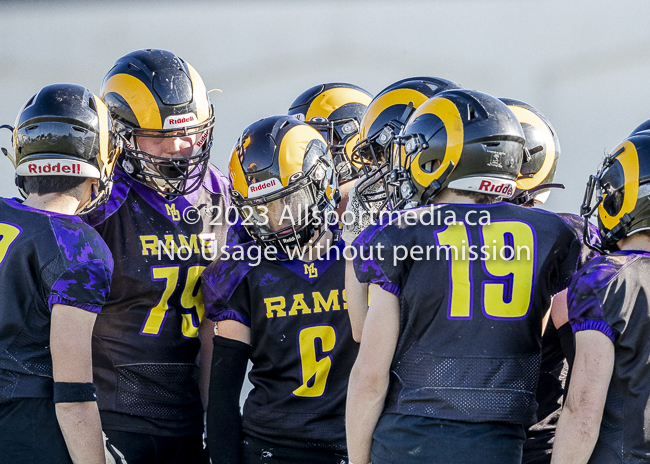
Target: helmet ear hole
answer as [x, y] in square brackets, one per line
[471, 113]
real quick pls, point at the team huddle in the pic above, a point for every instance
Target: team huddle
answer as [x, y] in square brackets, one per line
[379, 261]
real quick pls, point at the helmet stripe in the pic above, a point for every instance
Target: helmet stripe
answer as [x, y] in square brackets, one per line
[237, 176]
[104, 160]
[525, 116]
[332, 99]
[448, 113]
[349, 149]
[630, 163]
[200, 95]
[394, 97]
[138, 97]
[291, 153]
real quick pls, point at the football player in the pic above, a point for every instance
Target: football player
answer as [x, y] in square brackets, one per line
[450, 349]
[385, 117]
[606, 412]
[163, 221]
[335, 110]
[55, 274]
[285, 312]
[541, 154]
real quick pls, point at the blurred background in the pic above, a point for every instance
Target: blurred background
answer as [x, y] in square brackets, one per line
[585, 64]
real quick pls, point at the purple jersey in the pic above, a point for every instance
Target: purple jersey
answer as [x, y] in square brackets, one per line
[45, 259]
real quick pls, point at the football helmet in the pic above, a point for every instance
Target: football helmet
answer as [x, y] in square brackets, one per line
[284, 183]
[541, 153]
[461, 139]
[335, 110]
[155, 94]
[386, 115]
[65, 130]
[644, 126]
[622, 190]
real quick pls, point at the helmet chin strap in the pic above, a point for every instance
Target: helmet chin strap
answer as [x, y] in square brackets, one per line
[434, 187]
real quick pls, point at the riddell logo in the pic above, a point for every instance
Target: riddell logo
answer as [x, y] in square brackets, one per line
[261, 188]
[504, 189]
[201, 141]
[179, 120]
[54, 167]
[74, 168]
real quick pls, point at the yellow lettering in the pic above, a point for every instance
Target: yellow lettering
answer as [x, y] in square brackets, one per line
[173, 212]
[170, 244]
[276, 304]
[311, 271]
[149, 245]
[207, 242]
[185, 246]
[332, 301]
[345, 300]
[299, 304]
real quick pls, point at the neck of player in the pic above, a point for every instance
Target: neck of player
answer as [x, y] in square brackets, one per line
[639, 241]
[62, 203]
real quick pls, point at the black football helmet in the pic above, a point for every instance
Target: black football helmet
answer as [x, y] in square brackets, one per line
[385, 117]
[154, 93]
[284, 183]
[335, 110]
[622, 190]
[541, 153]
[461, 139]
[65, 130]
[644, 126]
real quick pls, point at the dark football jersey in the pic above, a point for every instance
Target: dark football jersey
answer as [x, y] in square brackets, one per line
[554, 368]
[610, 295]
[45, 259]
[472, 296]
[302, 349]
[145, 342]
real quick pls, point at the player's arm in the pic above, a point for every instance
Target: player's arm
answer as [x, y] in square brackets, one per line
[70, 343]
[206, 334]
[559, 310]
[229, 362]
[579, 423]
[370, 374]
[356, 294]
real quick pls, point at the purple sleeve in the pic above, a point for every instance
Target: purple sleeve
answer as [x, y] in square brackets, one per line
[220, 282]
[84, 285]
[373, 261]
[585, 306]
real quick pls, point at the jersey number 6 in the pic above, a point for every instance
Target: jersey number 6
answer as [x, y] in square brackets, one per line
[314, 344]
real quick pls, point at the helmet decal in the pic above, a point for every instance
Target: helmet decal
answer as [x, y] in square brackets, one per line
[332, 99]
[52, 166]
[291, 152]
[391, 98]
[525, 116]
[138, 97]
[237, 176]
[629, 160]
[200, 95]
[450, 117]
[103, 117]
